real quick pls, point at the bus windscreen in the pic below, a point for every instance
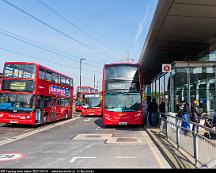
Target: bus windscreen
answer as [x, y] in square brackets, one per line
[122, 72]
[19, 71]
[122, 102]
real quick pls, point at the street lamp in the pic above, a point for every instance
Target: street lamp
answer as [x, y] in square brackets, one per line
[81, 59]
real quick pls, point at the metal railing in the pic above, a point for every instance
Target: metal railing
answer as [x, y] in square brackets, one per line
[201, 148]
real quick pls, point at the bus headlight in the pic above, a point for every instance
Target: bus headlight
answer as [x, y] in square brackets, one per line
[1, 115]
[106, 115]
[138, 115]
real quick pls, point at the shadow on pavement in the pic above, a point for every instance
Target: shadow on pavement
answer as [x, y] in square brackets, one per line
[175, 158]
[99, 123]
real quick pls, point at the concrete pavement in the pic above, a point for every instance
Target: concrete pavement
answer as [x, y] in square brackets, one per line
[84, 143]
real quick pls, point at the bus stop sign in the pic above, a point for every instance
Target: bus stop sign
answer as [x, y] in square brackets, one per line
[166, 68]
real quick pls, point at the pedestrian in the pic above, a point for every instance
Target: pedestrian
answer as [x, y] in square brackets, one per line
[195, 115]
[154, 116]
[162, 108]
[149, 112]
[185, 119]
[214, 120]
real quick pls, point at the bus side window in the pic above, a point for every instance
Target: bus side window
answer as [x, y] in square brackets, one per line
[71, 82]
[55, 78]
[53, 102]
[67, 81]
[47, 102]
[48, 76]
[39, 102]
[41, 74]
[62, 80]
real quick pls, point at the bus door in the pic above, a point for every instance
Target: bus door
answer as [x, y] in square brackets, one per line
[53, 108]
[39, 109]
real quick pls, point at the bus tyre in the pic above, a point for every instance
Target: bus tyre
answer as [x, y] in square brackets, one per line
[45, 119]
[66, 115]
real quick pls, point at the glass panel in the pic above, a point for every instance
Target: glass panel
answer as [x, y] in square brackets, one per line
[63, 102]
[41, 74]
[92, 101]
[180, 88]
[122, 102]
[19, 71]
[153, 90]
[67, 81]
[55, 78]
[167, 91]
[162, 87]
[157, 90]
[48, 76]
[71, 82]
[16, 102]
[62, 80]
[47, 102]
[202, 87]
[128, 72]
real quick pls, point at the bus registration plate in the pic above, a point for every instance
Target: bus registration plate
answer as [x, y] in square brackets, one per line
[15, 122]
[122, 123]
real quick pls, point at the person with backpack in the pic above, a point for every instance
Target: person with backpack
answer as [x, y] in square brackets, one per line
[185, 119]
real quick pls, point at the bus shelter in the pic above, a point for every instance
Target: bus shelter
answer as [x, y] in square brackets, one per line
[187, 81]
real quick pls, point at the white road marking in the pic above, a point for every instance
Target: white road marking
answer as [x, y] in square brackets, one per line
[122, 157]
[74, 158]
[7, 141]
[10, 156]
[88, 119]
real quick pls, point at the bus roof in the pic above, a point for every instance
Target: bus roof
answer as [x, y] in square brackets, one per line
[121, 63]
[85, 87]
[39, 66]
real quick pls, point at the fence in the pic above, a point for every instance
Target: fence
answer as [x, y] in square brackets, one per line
[202, 149]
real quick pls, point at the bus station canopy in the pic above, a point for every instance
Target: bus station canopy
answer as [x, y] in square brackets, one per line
[180, 30]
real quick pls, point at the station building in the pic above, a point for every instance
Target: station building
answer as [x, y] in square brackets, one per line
[182, 34]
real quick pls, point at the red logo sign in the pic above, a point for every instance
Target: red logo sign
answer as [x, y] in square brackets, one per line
[166, 68]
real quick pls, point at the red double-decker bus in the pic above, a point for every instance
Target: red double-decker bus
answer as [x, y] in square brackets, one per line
[92, 104]
[122, 94]
[80, 94]
[33, 94]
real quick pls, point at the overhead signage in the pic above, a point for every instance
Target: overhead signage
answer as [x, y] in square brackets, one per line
[55, 90]
[166, 68]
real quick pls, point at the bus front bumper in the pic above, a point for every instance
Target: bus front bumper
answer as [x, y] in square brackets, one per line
[109, 119]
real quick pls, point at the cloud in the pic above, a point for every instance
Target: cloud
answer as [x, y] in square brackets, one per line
[141, 26]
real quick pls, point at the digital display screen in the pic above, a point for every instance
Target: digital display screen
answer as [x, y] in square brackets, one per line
[55, 90]
[92, 95]
[121, 86]
[18, 86]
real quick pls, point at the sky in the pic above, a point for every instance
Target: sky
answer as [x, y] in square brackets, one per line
[57, 33]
